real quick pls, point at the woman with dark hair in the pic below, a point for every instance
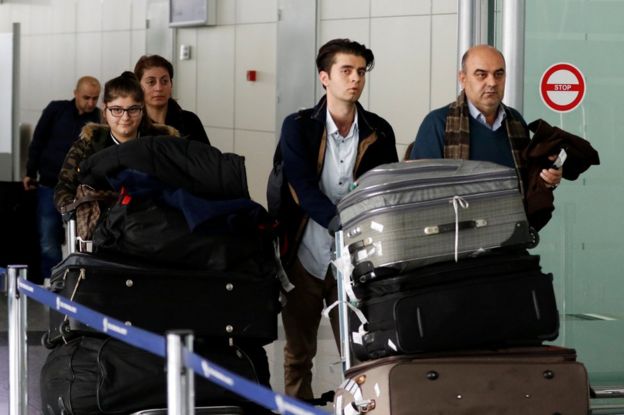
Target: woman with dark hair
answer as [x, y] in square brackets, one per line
[125, 120]
[155, 74]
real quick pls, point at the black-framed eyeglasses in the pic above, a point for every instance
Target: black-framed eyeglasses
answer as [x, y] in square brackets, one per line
[132, 111]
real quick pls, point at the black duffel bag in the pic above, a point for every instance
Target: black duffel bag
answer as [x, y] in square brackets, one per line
[240, 240]
[94, 375]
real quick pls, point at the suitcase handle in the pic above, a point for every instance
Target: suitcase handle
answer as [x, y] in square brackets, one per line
[450, 227]
[358, 245]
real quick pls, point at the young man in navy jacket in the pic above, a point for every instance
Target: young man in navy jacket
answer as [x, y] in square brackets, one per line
[324, 150]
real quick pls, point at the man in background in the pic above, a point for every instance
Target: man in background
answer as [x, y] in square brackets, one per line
[57, 129]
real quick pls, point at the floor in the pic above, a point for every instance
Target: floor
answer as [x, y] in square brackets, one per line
[326, 368]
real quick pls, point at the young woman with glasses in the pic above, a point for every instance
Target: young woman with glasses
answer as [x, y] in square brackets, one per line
[126, 119]
[155, 74]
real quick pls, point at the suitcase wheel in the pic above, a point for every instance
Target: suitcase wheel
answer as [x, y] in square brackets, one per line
[45, 341]
[534, 238]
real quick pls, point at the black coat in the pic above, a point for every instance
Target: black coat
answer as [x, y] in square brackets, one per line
[190, 165]
[186, 122]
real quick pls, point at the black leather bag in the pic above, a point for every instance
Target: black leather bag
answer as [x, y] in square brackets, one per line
[147, 228]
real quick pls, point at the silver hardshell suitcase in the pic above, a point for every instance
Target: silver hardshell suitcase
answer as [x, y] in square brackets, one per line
[401, 216]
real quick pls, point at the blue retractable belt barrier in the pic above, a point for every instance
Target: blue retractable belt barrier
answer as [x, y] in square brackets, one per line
[156, 344]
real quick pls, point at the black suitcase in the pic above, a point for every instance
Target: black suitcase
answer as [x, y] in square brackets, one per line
[411, 214]
[491, 301]
[211, 303]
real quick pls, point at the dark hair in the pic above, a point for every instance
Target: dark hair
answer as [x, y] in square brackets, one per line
[146, 62]
[126, 85]
[327, 53]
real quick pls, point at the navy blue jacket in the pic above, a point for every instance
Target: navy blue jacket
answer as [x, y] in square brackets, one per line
[56, 131]
[300, 142]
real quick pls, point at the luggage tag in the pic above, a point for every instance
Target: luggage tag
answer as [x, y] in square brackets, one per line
[561, 158]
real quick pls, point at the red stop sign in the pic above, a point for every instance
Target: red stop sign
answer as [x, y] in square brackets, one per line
[562, 87]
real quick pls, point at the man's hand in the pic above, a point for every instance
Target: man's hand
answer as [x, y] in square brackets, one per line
[29, 183]
[552, 177]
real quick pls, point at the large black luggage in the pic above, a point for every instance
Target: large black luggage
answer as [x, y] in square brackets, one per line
[491, 301]
[92, 375]
[407, 215]
[211, 303]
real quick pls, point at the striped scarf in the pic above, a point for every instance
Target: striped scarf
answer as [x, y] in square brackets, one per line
[457, 133]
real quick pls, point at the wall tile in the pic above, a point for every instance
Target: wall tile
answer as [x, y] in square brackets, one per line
[380, 8]
[115, 54]
[39, 56]
[6, 17]
[89, 15]
[138, 14]
[185, 77]
[344, 9]
[226, 12]
[62, 70]
[215, 68]
[443, 60]
[444, 6]
[89, 55]
[40, 21]
[116, 15]
[399, 83]
[254, 103]
[258, 149]
[256, 11]
[137, 46]
[221, 138]
[63, 16]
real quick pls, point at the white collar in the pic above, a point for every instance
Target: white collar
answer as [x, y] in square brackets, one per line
[478, 115]
[332, 128]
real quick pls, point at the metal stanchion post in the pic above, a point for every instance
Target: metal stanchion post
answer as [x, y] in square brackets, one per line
[190, 377]
[345, 352]
[178, 386]
[18, 348]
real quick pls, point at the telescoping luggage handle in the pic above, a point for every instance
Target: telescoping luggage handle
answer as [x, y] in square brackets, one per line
[451, 227]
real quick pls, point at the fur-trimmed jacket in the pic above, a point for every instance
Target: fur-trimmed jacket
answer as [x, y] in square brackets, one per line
[93, 138]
